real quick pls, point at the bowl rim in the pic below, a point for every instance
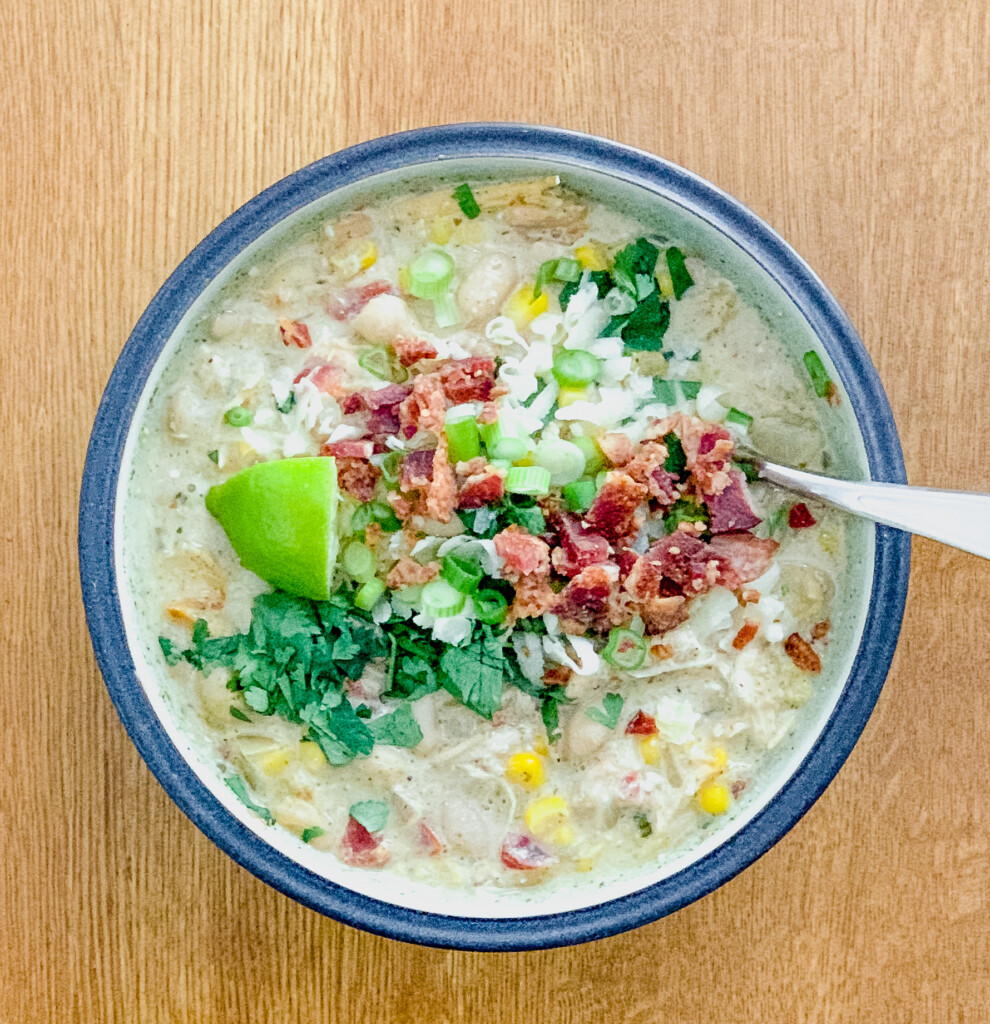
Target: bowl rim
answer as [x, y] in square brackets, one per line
[112, 425]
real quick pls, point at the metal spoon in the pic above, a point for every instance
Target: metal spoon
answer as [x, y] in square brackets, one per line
[958, 518]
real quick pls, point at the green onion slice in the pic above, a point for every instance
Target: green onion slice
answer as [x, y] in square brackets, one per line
[440, 599]
[466, 201]
[462, 439]
[573, 367]
[563, 460]
[593, 458]
[533, 480]
[385, 516]
[820, 379]
[367, 596]
[392, 467]
[625, 649]
[579, 495]
[238, 416]
[680, 277]
[358, 561]
[740, 418]
[490, 607]
[430, 274]
[376, 362]
[462, 573]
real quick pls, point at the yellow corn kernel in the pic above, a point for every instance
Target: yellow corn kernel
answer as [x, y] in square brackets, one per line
[714, 797]
[469, 232]
[404, 280]
[568, 395]
[547, 818]
[441, 229]
[522, 308]
[592, 256]
[828, 541]
[584, 864]
[540, 747]
[719, 759]
[664, 284]
[649, 749]
[311, 755]
[367, 254]
[275, 761]
[525, 769]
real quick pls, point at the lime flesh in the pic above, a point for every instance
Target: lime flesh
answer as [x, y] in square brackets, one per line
[281, 519]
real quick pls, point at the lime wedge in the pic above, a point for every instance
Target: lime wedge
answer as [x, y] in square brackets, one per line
[281, 519]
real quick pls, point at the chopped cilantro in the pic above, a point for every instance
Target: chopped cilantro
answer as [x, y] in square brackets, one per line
[311, 833]
[748, 470]
[568, 292]
[643, 824]
[239, 789]
[473, 674]
[550, 701]
[647, 324]
[665, 390]
[172, 656]
[238, 714]
[362, 711]
[256, 699]
[676, 461]
[608, 713]
[775, 519]
[685, 510]
[214, 456]
[397, 729]
[680, 276]
[637, 259]
[518, 509]
[372, 814]
[690, 389]
[288, 403]
[603, 282]
[466, 201]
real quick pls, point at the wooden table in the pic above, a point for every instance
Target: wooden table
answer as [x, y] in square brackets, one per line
[858, 129]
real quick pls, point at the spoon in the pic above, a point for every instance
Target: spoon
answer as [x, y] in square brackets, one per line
[958, 518]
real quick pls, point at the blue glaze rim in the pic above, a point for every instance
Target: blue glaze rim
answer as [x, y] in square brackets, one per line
[100, 479]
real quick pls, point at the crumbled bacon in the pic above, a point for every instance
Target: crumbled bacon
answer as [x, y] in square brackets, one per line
[417, 470]
[557, 675]
[737, 787]
[471, 466]
[429, 842]
[800, 517]
[407, 572]
[533, 597]
[426, 406]
[469, 380]
[663, 486]
[441, 495]
[348, 449]
[579, 547]
[730, 509]
[820, 630]
[679, 557]
[660, 615]
[523, 553]
[484, 488]
[358, 477]
[488, 414]
[642, 724]
[294, 333]
[361, 849]
[650, 456]
[741, 557]
[585, 601]
[522, 853]
[613, 512]
[617, 448]
[346, 303]
[352, 403]
[747, 631]
[326, 378]
[411, 350]
[802, 653]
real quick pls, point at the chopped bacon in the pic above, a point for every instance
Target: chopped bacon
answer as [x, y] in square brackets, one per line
[747, 631]
[426, 406]
[533, 597]
[579, 547]
[820, 630]
[407, 572]
[429, 842]
[800, 517]
[630, 788]
[469, 380]
[660, 615]
[361, 849]
[741, 557]
[441, 494]
[617, 448]
[663, 486]
[649, 456]
[358, 477]
[417, 470]
[642, 725]
[730, 509]
[326, 378]
[802, 653]
[585, 601]
[471, 466]
[557, 675]
[294, 333]
[346, 303]
[386, 397]
[522, 853]
[484, 488]
[737, 787]
[625, 559]
[411, 350]
[709, 470]
[679, 557]
[488, 414]
[523, 553]
[348, 449]
[613, 512]
[352, 403]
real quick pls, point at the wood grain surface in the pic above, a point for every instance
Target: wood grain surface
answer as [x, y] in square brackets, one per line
[858, 129]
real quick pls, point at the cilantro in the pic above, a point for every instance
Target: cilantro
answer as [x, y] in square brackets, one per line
[288, 403]
[665, 390]
[372, 814]
[518, 509]
[345, 727]
[239, 789]
[397, 729]
[690, 389]
[608, 713]
[214, 456]
[466, 201]
[312, 833]
[637, 259]
[550, 701]
[775, 519]
[172, 656]
[568, 292]
[748, 470]
[256, 699]
[362, 711]
[603, 282]
[686, 510]
[680, 276]
[647, 324]
[473, 674]
[643, 824]
[238, 714]
[676, 461]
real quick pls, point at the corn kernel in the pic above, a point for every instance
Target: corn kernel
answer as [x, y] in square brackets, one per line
[525, 769]
[584, 864]
[547, 818]
[828, 541]
[719, 759]
[664, 284]
[649, 749]
[367, 254]
[592, 256]
[714, 797]
[469, 232]
[567, 395]
[275, 761]
[523, 308]
[405, 280]
[441, 229]
[311, 755]
[540, 747]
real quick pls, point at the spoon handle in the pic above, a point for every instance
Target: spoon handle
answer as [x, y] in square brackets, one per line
[958, 518]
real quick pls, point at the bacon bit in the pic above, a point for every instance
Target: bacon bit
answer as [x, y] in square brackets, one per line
[800, 517]
[748, 596]
[802, 653]
[737, 787]
[820, 630]
[613, 512]
[832, 395]
[429, 842]
[584, 601]
[326, 378]
[441, 494]
[630, 788]
[373, 533]
[417, 470]
[469, 380]
[650, 457]
[533, 597]
[407, 572]
[662, 614]
[488, 414]
[730, 509]
[358, 477]
[625, 559]
[642, 725]
[411, 350]
[579, 547]
[361, 849]
[617, 448]
[294, 333]
[484, 488]
[557, 675]
[426, 406]
[661, 652]
[351, 404]
[523, 553]
[747, 631]
[348, 302]
[741, 557]
[471, 467]
[521, 853]
[679, 557]
[400, 505]
[348, 449]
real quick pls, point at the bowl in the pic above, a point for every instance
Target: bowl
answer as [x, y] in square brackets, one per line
[869, 604]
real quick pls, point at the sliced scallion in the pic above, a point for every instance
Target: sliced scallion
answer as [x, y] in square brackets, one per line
[820, 379]
[463, 442]
[740, 418]
[501, 443]
[238, 416]
[593, 458]
[466, 201]
[573, 367]
[490, 607]
[563, 460]
[625, 649]
[358, 561]
[462, 573]
[579, 495]
[376, 362]
[368, 594]
[391, 467]
[680, 277]
[384, 515]
[440, 599]
[532, 480]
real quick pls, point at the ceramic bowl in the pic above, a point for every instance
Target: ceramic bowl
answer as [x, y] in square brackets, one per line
[868, 606]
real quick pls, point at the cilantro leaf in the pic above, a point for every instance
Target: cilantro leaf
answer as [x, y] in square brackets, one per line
[603, 282]
[608, 713]
[676, 461]
[686, 510]
[214, 456]
[168, 650]
[473, 674]
[398, 728]
[285, 406]
[256, 699]
[311, 833]
[466, 201]
[239, 789]
[372, 814]
[238, 714]
[550, 702]
[638, 258]
[647, 324]
[680, 276]
[348, 729]
[568, 292]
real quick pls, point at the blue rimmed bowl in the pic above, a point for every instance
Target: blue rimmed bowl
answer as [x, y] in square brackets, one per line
[868, 606]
